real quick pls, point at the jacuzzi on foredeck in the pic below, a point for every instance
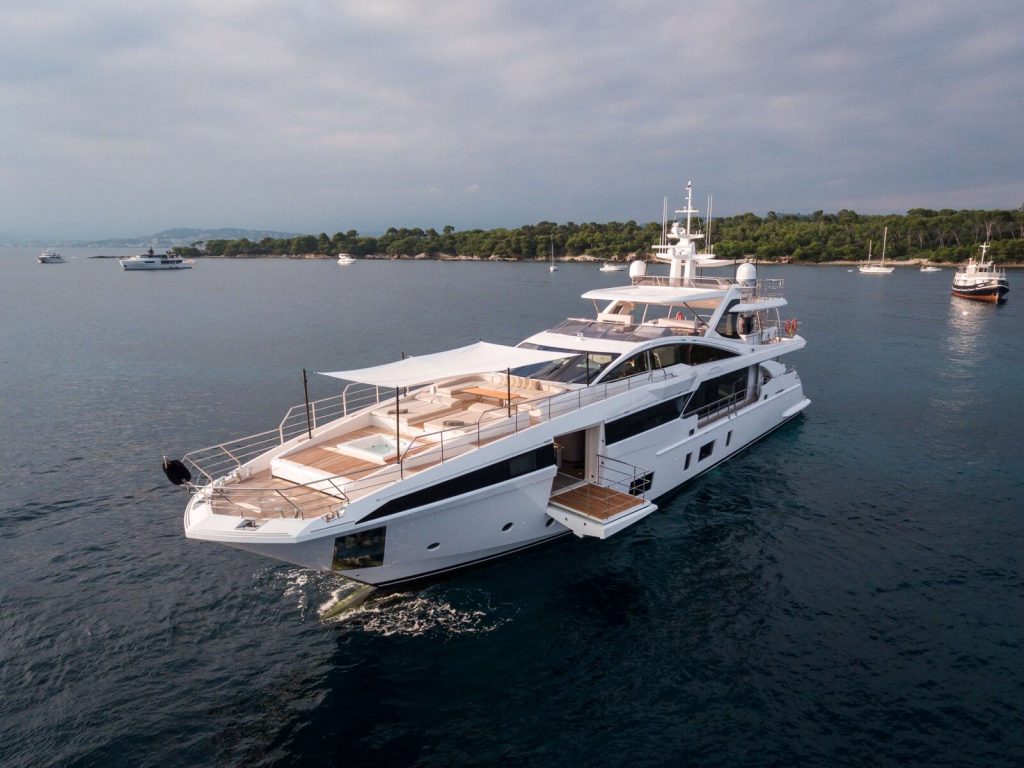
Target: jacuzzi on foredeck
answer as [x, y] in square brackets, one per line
[376, 449]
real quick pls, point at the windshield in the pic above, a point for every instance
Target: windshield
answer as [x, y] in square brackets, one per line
[581, 368]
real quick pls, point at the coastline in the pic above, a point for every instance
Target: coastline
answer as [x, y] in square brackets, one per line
[582, 259]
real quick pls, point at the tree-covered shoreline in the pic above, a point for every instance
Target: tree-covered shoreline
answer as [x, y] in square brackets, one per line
[945, 236]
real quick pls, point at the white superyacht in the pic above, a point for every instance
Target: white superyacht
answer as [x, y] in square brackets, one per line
[439, 461]
[151, 261]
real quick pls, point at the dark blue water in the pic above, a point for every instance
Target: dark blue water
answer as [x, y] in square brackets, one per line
[847, 592]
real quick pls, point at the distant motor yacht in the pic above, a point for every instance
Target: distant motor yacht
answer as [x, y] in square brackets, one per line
[609, 267]
[440, 461]
[344, 259]
[50, 256]
[150, 260]
[981, 281]
[930, 268]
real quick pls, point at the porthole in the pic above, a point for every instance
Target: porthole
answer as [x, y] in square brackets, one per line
[435, 545]
[506, 526]
[550, 522]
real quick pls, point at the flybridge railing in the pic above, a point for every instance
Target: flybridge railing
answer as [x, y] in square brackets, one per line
[753, 290]
[223, 463]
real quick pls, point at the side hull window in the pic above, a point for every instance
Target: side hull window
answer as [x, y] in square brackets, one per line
[471, 481]
[638, 363]
[641, 421]
[359, 550]
[729, 386]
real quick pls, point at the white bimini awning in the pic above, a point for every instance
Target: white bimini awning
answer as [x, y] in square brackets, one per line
[655, 294]
[482, 357]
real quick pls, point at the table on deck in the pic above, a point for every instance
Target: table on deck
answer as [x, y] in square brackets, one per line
[491, 394]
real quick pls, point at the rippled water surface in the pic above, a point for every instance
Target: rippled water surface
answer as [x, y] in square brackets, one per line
[847, 592]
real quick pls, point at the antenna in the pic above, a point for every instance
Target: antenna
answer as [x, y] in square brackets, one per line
[664, 220]
[707, 234]
[689, 204]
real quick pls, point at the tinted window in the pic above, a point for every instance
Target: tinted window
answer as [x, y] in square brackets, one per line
[630, 367]
[579, 368]
[673, 354]
[706, 450]
[717, 389]
[641, 421]
[359, 550]
[701, 353]
[471, 481]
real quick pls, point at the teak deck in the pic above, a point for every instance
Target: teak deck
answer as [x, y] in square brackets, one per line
[596, 501]
[265, 496]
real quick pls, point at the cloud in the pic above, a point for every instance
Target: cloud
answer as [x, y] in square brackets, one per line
[315, 117]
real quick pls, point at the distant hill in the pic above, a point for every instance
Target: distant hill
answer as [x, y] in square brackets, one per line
[183, 236]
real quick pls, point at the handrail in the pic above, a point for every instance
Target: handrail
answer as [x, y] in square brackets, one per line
[595, 393]
[752, 291]
[629, 474]
[710, 411]
[612, 474]
[219, 464]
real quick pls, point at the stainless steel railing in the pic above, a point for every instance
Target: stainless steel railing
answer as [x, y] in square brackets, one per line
[222, 463]
[770, 288]
[623, 477]
[721, 407]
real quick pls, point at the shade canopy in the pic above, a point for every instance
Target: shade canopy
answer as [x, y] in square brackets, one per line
[655, 294]
[482, 357]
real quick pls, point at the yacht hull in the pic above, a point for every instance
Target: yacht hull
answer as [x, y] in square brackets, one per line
[502, 519]
[127, 267]
[993, 293]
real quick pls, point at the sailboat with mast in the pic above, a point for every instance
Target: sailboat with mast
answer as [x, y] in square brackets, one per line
[880, 268]
[552, 268]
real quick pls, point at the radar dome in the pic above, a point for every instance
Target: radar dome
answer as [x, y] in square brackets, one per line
[746, 274]
[637, 269]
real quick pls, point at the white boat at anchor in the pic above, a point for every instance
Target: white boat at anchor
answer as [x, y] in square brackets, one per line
[609, 267]
[436, 462]
[50, 256]
[344, 260]
[150, 261]
[876, 269]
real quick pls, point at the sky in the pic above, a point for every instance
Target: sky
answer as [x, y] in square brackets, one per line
[124, 118]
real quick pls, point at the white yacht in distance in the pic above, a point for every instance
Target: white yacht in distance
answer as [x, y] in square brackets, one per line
[439, 461]
[50, 256]
[880, 268]
[150, 260]
[344, 259]
[609, 267]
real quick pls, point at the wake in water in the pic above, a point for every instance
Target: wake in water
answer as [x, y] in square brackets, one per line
[435, 610]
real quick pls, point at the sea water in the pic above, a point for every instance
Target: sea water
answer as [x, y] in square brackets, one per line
[847, 592]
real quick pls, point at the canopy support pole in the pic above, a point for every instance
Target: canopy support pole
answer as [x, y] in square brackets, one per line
[398, 431]
[305, 392]
[508, 382]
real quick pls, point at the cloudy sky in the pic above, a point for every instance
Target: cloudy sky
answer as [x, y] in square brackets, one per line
[125, 117]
